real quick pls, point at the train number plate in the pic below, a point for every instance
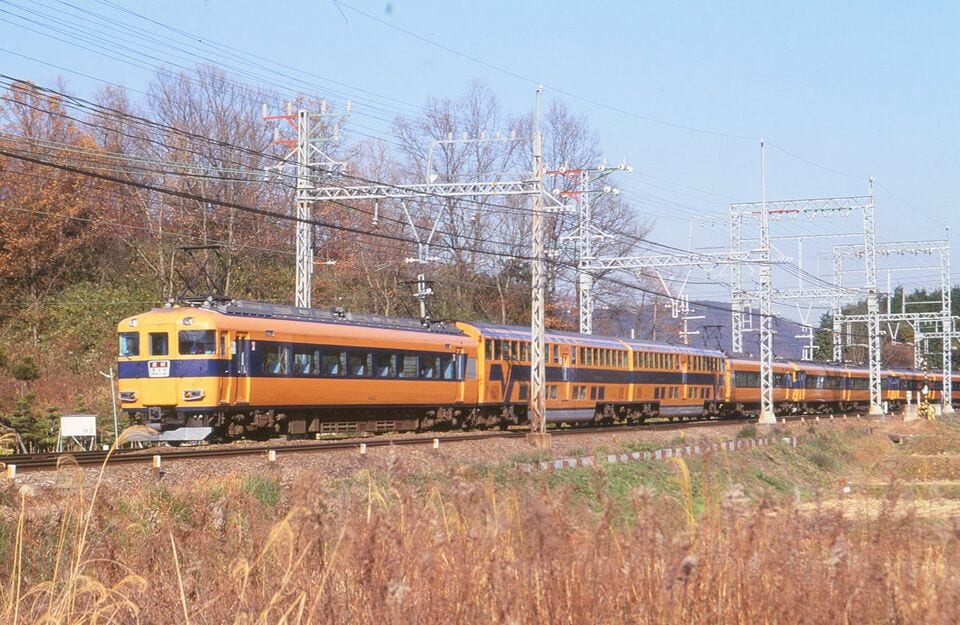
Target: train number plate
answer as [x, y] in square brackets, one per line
[159, 368]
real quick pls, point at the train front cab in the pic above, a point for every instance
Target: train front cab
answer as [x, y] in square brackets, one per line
[169, 370]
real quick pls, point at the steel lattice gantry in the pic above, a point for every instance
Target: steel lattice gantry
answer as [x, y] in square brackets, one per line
[941, 321]
[766, 211]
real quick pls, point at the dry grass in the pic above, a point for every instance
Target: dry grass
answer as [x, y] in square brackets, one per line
[469, 548]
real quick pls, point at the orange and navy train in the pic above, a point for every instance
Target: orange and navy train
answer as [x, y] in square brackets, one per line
[250, 369]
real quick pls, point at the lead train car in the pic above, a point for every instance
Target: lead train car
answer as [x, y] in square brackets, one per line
[246, 368]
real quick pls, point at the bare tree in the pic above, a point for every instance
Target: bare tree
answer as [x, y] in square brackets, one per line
[214, 146]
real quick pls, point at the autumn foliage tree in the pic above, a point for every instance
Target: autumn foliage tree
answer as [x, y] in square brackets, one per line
[50, 215]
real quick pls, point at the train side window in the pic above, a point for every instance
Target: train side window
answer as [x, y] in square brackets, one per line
[489, 349]
[197, 342]
[552, 391]
[358, 364]
[159, 344]
[429, 367]
[275, 360]
[332, 363]
[303, 361]
[573, 355]
[129, 343]
[385, 365]
[471, 373]
[448, 367]
[524, 391]
[656, 392]
[409, 366]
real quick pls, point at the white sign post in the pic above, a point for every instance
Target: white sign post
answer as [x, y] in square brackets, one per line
[78, 426]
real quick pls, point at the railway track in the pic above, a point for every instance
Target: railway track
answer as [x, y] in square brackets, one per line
[51, 460]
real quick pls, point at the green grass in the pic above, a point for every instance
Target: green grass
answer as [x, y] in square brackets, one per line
[264, 489]
[779, 484]
[640, 446]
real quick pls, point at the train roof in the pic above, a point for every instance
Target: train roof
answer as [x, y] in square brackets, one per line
[653, 346]
[522, 333]
[244, 308]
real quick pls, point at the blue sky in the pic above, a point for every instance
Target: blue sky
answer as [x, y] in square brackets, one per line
[682, 90]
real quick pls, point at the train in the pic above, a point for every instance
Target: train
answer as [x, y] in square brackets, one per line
[242, 369]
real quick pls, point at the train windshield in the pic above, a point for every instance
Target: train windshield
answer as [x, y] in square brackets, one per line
[198, 342]
[158, 344]
[129, 343]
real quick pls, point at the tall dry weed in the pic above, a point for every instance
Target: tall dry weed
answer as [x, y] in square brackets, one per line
[383, 550]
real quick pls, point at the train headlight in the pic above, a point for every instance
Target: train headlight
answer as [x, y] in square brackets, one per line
[127, 395]
[192, 395]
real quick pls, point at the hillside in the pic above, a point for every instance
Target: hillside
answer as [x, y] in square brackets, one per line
[714, 328]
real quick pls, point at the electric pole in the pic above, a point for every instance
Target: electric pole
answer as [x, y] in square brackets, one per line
[767, 414]
[310, 161]
[537, 408]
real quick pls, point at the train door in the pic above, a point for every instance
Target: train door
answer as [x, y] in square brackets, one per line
[240, 369]
[467, 374]
[226, 374]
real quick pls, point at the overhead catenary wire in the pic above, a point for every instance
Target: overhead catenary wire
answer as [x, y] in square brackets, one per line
[110, 3]
[261, 212]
